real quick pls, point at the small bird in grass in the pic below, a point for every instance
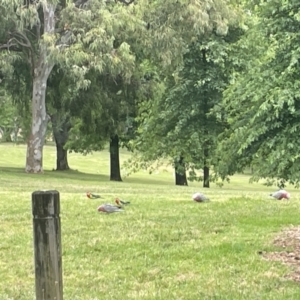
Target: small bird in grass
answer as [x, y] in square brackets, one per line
[119, 202]
[109, 208]
[281, 194]
[92, 196]
[199, 197]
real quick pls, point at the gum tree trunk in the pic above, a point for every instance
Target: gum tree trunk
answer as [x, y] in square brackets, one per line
[42, 69]
[34, 159]
[61, 127]
[115, 174]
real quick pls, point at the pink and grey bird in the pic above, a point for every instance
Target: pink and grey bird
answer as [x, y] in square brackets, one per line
[199, 197]
[281, 194]
[109, 208]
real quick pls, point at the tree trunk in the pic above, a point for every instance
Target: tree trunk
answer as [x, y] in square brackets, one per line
[34, 159]
[61, 158]
[206, 177]
[41, 72]
[205, 167]
[206, 134]
[61, 127]
[180, 174]
[115, 174]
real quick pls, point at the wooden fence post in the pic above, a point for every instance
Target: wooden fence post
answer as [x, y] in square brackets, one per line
[47, 245]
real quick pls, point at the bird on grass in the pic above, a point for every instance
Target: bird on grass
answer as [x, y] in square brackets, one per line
[92, 196]
[281, 194]
[109, 208]
[120, 202]
[199, 197]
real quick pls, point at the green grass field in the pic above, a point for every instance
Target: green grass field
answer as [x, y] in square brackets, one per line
[164, 246]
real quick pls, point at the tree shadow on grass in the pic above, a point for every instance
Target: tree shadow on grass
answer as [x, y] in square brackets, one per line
[77, 176]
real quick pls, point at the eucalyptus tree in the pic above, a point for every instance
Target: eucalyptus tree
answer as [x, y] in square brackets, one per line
[31, 34]
[263, 103]
[44, 33]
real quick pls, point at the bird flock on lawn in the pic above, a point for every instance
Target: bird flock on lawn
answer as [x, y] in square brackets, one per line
[107, 207]
[197, 197]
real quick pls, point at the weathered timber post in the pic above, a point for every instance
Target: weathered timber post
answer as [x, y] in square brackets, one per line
[47, 245]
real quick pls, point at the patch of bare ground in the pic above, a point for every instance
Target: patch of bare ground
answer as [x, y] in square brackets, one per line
[289, 240]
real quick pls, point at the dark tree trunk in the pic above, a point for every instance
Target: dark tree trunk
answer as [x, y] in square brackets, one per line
[61, 127]
[205, 167]
[180, 174]
[206, 177]
[115, 173]
[206, 135]
[61, 158]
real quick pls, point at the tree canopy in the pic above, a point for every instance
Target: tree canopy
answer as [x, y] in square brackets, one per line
[179, 124]
[262, 105]
[100, 35]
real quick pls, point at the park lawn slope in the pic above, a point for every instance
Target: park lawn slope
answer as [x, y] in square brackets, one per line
[164, 246]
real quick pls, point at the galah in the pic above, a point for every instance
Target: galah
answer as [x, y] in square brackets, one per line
[109, 208]
[92, 196]
[281, 194]
[199, 197]
[118, 201]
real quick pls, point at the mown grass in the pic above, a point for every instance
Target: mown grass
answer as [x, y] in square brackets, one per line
[164, 246]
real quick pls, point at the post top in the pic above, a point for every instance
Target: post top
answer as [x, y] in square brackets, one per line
[42, 192]
[45, 204]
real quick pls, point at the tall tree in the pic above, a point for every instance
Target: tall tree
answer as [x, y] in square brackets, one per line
[263, 103]
[151, 31]
[37, 32]
[181, 125]
[109, 106]
[31, 34]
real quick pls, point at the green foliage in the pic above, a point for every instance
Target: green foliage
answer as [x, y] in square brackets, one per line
[101, 46]
[181, 121]
[8, 117]
[13, 121]
[263, 103]
[116, 49]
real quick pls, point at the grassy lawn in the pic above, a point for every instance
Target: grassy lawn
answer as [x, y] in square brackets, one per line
[164, 246]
